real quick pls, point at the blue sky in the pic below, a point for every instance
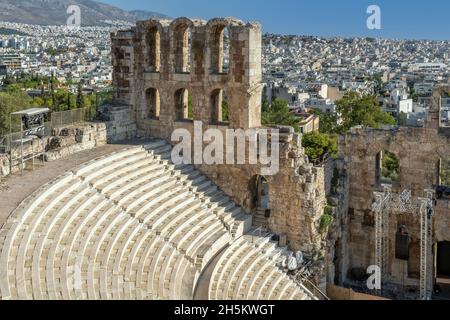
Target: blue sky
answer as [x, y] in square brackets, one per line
[410, 19]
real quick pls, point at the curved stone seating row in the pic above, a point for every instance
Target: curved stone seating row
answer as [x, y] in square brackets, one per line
[248, 270]
[130, 225]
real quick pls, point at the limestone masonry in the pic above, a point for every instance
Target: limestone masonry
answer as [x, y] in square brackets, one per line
[134, 225]
[163, 68]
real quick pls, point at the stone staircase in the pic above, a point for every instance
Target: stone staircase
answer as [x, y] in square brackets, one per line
[132, 225]
[249, 270]
[259, 219]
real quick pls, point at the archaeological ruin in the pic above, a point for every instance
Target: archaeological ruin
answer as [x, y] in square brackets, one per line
[422, 155]
[126, 222]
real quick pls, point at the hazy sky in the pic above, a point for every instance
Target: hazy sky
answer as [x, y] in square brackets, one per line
[417, 19]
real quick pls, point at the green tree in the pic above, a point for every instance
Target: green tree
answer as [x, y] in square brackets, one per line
[361, 111]
[225, 111]
[11, 102]
[55, 106]
[279, 114]
[265, 107]
[390, 166]
[80, 99]
[38, 102]
[328, 122]
[318, 145]
[190, 106]
[445, 172]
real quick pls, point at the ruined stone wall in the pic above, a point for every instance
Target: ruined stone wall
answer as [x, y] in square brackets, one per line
[419, 151]
[336, 237]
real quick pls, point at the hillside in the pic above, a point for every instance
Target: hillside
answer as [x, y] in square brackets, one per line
[53, 12]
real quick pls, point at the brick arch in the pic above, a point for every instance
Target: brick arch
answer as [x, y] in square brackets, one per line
[153, 23]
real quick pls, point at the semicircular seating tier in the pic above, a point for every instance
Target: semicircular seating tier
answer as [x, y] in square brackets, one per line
[132, 225]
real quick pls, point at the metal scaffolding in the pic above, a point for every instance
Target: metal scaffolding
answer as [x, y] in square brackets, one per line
[387, 203]
[426, 235]
[31, 129]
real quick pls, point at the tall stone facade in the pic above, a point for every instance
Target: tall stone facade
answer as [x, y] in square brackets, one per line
[172, 73]
[160, 67]
[420, 152]
[176, 74]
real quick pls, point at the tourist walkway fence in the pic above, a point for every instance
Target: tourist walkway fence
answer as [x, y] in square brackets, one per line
[70, 117]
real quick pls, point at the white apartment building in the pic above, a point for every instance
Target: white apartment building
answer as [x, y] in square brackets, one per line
[405, 106]
[427, 67]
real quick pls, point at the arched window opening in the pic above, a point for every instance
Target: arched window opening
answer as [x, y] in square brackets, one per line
[182, 49]
[262, 200]
[219, 107]
[153, 103]
[388, 168]
[153, 50]
[220, 50]
[183, 105]
[226, 51]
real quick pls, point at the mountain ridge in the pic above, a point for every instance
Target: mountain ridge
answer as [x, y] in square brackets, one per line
[54, 12]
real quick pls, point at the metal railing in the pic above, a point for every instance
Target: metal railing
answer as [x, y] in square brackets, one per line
[5, 141]
[301, 279]
[70, 117]
[4, 144]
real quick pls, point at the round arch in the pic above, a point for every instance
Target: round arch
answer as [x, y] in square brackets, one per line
[183, 104]
[152, 108]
